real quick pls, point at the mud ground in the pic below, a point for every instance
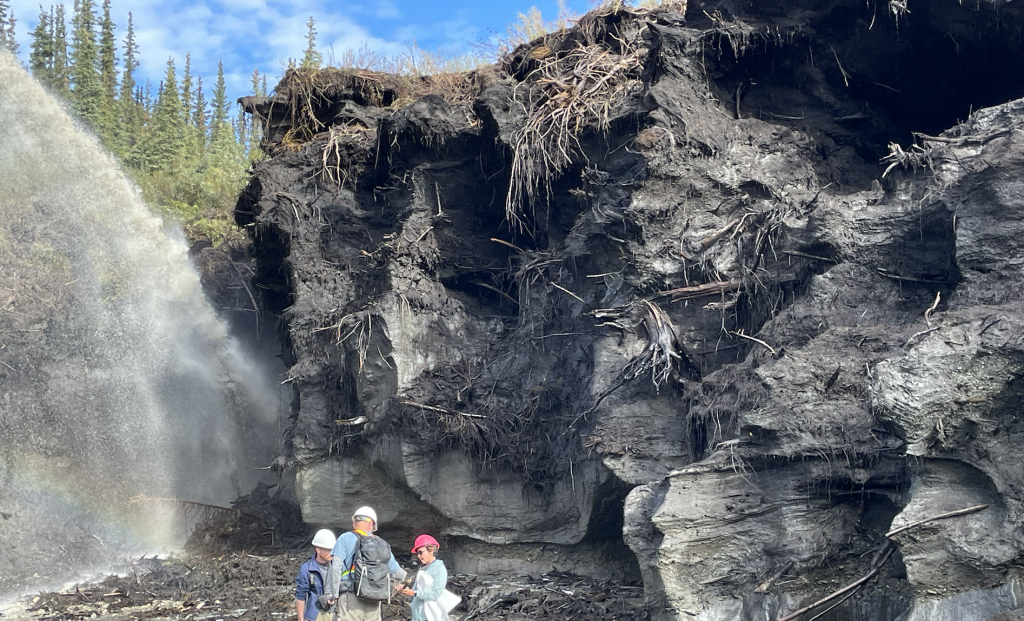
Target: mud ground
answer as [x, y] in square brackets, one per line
[242, 585]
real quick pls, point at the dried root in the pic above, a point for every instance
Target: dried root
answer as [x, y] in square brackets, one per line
[664, 355]
[568, 93]
[333, 163]
[914, 158]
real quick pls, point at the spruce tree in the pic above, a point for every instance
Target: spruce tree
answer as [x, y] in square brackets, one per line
[312, 58]
[131, 62]
[225, 174]
[259, 84]
[6, 35]
[186, 89]
[242, 131]
[5, 8]
[147, 99]
[61, 76]
[163, 145]
[199, 118]
[12, 41]
[219, 115]
[195, 138]
[108, 71]
[40, 59]
[259, 89]
[87, 89]
[129, 125]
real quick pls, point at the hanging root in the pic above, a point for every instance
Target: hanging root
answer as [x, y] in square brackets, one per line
[664, 356]
[333, 163]
[914, 158]
[568, 93]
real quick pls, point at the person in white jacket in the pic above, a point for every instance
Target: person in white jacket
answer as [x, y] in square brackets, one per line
[430, 583]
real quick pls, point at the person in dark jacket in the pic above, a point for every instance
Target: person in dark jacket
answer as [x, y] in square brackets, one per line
[309, 584]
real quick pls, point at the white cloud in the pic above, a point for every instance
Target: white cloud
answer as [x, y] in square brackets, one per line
[386, 10]
[247, 34]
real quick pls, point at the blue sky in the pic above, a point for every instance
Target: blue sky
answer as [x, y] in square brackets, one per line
[264, 34]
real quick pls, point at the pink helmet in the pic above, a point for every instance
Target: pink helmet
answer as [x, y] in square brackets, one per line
[424, 540]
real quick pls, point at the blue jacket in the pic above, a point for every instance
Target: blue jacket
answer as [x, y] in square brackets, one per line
[309, 585]
[344, 551]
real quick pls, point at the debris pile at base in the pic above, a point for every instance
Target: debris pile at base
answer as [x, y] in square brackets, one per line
[247, 586]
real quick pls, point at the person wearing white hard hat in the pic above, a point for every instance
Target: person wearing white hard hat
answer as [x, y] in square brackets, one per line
[312, 578]
[340, 591]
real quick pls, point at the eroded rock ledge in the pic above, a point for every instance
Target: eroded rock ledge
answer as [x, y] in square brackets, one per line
[662, 280]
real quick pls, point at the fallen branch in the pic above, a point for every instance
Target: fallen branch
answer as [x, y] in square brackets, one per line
[917, 334]
[700, 291]
[497, 290]
[707, 241]
[978, 139]
[509, 244]
[942, 516]
[561, 288]
[767, 584]
[910, 279]
[797, 253]
[884, 553]
[358, 420]
[433, 408]
[758, 341]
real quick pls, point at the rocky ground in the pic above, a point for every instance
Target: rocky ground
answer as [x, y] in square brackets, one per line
[260, 587]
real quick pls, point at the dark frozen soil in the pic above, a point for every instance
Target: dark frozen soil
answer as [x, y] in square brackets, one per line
[240, 585]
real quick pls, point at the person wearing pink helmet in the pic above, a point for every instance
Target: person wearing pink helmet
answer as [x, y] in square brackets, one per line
[430, 582]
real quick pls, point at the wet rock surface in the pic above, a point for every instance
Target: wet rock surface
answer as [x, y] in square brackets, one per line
[730, 315]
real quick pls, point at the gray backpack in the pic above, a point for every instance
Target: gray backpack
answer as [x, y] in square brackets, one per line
[371, 577]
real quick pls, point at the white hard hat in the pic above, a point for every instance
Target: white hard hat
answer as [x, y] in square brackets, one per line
[324, 539]
[366, 512]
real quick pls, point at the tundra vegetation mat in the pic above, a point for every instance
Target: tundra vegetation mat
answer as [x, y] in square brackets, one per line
[239, 585]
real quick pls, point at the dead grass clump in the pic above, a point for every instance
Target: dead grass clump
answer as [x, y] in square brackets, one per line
[574, 88]
[311, 94]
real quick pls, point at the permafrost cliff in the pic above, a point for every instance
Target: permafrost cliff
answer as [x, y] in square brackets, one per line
[661, 297]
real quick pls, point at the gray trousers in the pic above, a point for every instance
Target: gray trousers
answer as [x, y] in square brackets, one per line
[351, 608]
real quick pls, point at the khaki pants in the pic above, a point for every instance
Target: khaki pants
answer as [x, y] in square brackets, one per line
[351, 608]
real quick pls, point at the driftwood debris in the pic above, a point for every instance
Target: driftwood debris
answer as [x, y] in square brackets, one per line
[767, 584]
[881, 556]
[942, 516]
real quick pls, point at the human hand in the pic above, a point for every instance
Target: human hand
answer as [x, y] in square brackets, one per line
[324, 602]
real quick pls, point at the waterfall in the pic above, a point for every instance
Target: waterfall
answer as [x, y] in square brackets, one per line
[117, 379]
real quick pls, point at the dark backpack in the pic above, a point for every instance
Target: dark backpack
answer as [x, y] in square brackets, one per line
[371, 577]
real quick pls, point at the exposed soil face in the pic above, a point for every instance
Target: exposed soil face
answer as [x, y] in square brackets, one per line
[734, 283]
